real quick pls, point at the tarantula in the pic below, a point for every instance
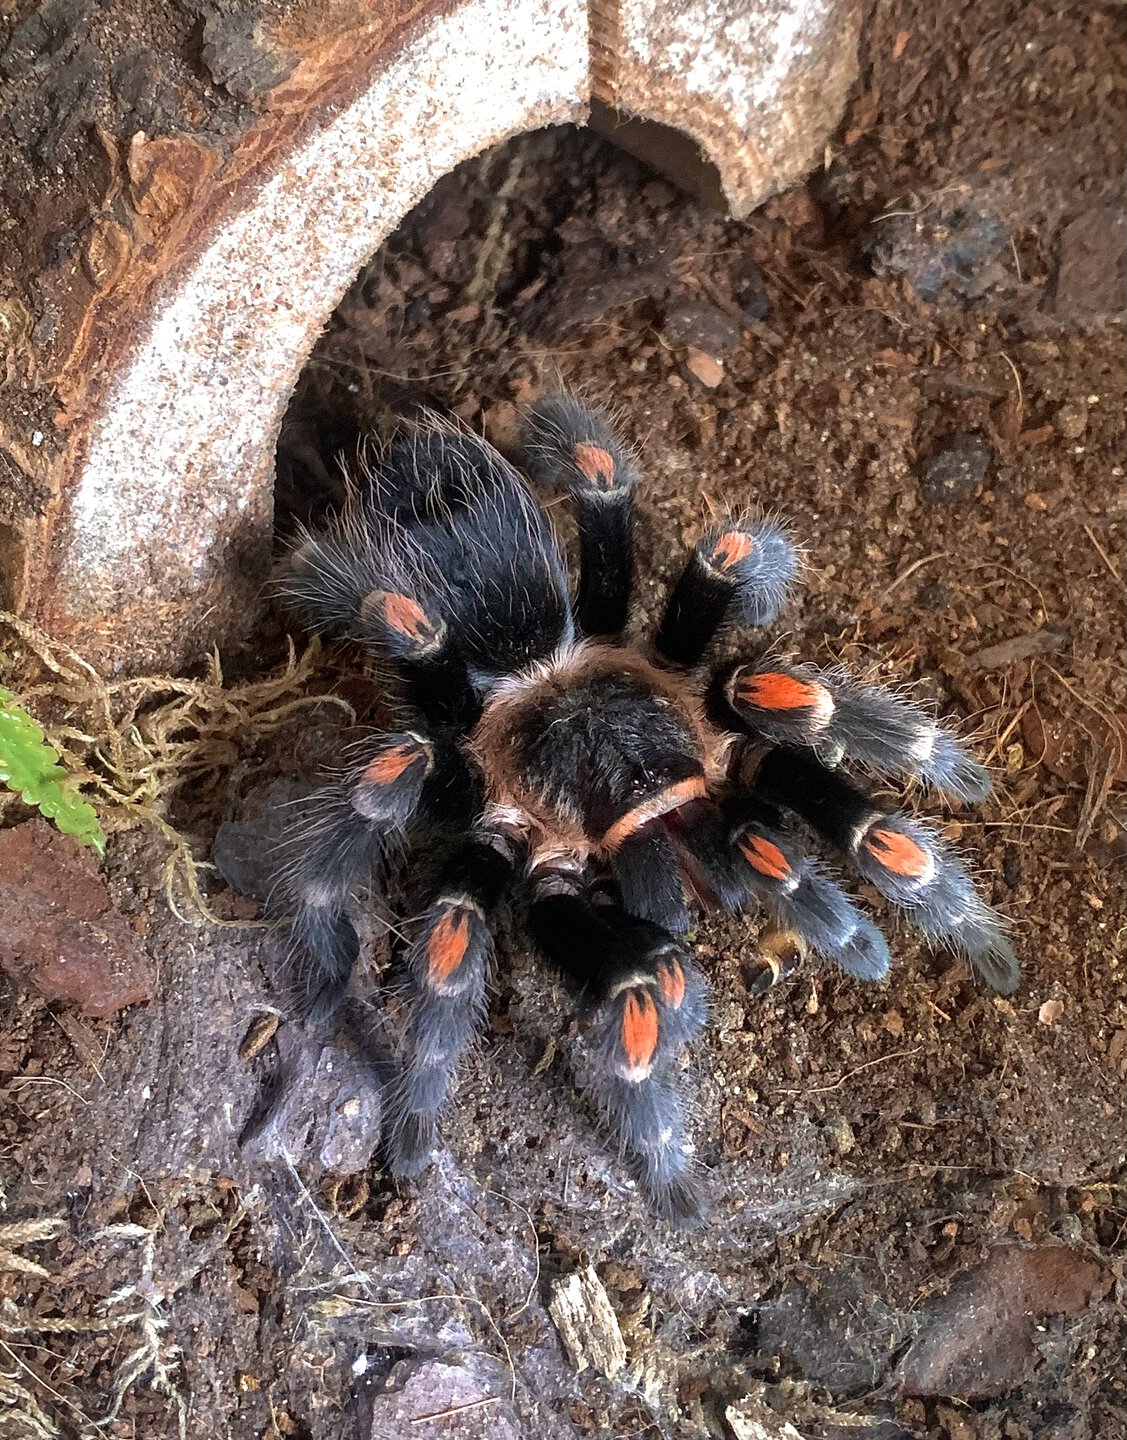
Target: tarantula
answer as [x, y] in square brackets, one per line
[594, 780]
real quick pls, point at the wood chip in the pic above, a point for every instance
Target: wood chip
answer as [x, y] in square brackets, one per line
[749, 1419]
[1020, 647]
[260, 1032]
[588, 1326]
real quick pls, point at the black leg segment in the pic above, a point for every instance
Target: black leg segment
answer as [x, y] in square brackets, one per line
[572, 448]
[742, 571]
[647, 1002]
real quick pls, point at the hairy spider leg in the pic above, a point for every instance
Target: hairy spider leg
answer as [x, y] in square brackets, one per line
[442, 565]
[444, 986]
[738, 572]
[647, 1002]
[838, 718]
[739, 852]
[345, 836]
[571, 447]
[906, 861]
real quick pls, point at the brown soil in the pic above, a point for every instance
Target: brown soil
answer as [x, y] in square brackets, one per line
[953, 272]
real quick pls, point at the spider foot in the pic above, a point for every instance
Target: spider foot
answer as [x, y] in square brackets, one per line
[913, 869]
[447, 967]
[797, 892]
[742, 571]
[571, 447]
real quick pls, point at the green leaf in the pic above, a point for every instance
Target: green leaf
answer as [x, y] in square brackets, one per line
[29, 765]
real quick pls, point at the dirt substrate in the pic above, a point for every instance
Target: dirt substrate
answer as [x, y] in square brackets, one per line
[917, 1188]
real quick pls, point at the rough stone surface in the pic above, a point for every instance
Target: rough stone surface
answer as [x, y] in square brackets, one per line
[758, 86]
[959, 256]
[953, 472]
[979, 1339]
[59, 932]
[246, 849]
[244, 165]
[435, 1401]
[1092, 269]
[323, 1106]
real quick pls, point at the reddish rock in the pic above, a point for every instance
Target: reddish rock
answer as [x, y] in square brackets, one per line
[1093, 266]
[978, 1340]
[59, 932]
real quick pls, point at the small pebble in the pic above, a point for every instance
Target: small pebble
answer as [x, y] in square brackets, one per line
[1072, 419]
[934, 597]
[840, 1134]
[698, 324]
[705, 368]
[954, 471]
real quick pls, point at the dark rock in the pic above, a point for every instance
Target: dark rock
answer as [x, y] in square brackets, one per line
[1092, 268]
[838, 1333]
[48, 34]
[978, 1340]
[247, 851]
[322, 1108]
[59, 931]
[139, 82]
[934, 597]
[240, 57]
[699, 324]
[752, 296]
[953, 472]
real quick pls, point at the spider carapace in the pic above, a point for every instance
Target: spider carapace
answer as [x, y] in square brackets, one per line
[595, 785]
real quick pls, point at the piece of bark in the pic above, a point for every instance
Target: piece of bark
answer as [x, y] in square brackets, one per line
[588, 1326]
[1019, 647]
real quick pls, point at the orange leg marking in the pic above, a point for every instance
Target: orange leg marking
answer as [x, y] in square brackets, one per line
[671, 983]
[731, 548]
[387, 767]
[761, 855]
[773, 691]
[447, 946]
[639, 1032]
[405, 616]
[899, 853]
[594, 464]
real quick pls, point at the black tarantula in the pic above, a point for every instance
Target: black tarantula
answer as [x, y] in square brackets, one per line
[594, 780]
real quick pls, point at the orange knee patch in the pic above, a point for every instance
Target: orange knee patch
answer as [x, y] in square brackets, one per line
[447, 946]
[731, 548]
[671, 983]
[899, 853]
[595, 464]
[773, 690]
[387, 767]
[403, 615]
[761, 855]
[639, 1032]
